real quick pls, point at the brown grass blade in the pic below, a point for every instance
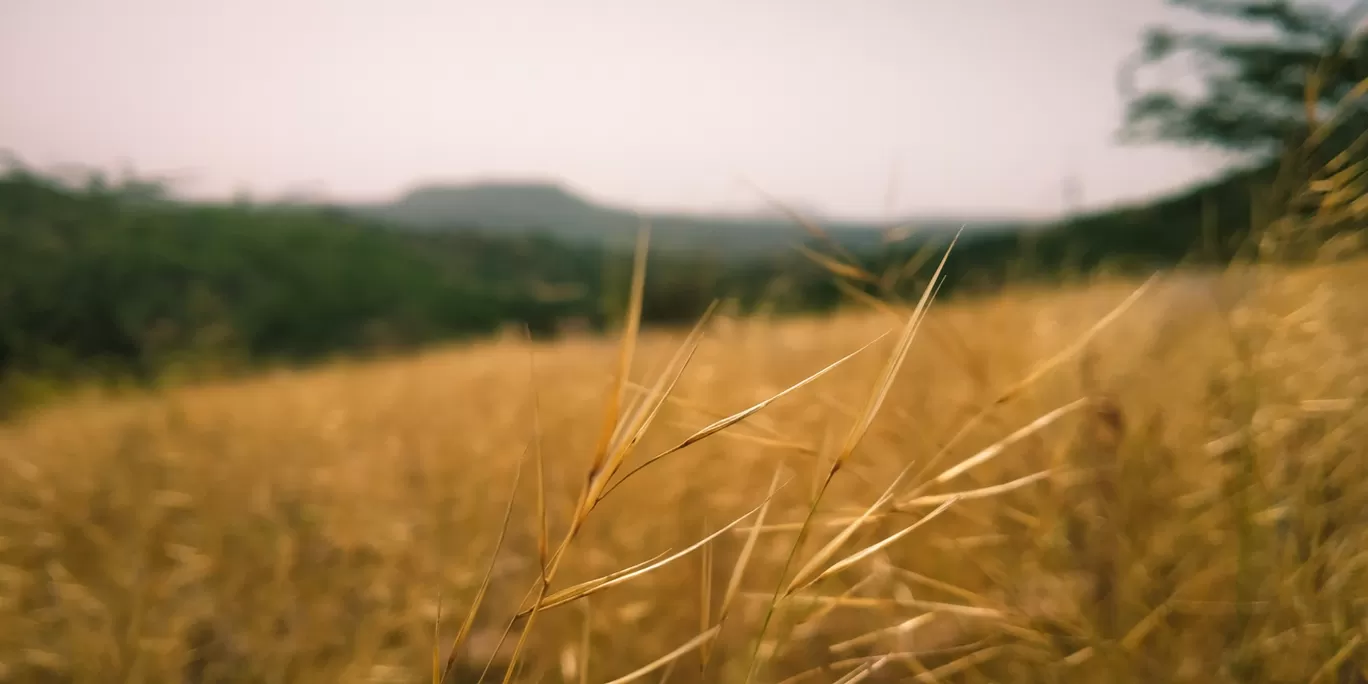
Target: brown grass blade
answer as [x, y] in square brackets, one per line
[543, 528]
[667, 671]
[853, 439]
[863, 672]
[611, 576]
[437, 668]
[903, 628]
[697, 407]
[810, 569]
[622, 437]
[594, 586]
[635, 427]
[912, 658]
[626, 352]
[742, 561]
[813, 622]
[944, 587]
[1078, 345]
[895, 362]
[882, 603]
[918, 259]
[1079, 657]
[513, 661]
[980, 493]
[868, 551]
[667, 658]
[775, 528]
[808, 225]
[995, 449]
[613, 450]
[584, 641]
[747, 549]
[738, 417]
[1320, 131]
[705, 586]
[1038, 371]
[1333, 664]
[464, 632]
[837, 268]
[538, 590]
[1342, 159]
[757, 440]
[627, 433]
[735, 418]
[612, 408]
[705, 612]
[957, 666]
[867, 299]
[658, 393]
[1133, 638]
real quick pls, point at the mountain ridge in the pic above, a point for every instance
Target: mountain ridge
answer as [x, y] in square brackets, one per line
[558, 211]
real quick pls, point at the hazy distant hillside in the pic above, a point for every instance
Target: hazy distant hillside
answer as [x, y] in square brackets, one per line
[502, 206]
[556, 211]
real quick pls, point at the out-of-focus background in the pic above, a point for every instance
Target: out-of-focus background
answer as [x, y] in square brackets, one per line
[190, 185]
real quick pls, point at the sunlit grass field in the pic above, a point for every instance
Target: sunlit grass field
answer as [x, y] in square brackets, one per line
[1116, 481]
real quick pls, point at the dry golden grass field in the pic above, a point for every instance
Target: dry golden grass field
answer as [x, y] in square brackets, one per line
[1113, 482]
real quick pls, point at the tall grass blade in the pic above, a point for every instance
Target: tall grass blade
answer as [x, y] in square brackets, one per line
[594, 586]
[874, 548]
[740, 416]
[464, 632]
[667, 658]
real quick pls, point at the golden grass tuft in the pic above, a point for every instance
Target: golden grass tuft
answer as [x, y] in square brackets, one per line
[1014, 493]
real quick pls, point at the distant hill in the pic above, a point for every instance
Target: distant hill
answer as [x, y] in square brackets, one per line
[557, 212]
[122, 282]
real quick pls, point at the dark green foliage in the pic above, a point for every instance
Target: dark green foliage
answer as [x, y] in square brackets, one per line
[1289, 92]
[93, 279]
[111, 282]
[1256, 96]
[116, 280]
[103, 283]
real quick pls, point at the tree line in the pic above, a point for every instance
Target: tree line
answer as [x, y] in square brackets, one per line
[116, 281]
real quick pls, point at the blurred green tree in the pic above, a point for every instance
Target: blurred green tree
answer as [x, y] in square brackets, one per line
[1270, 71]
[1284, 86]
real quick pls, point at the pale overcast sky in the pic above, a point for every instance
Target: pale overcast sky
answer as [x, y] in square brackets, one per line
[961, 106]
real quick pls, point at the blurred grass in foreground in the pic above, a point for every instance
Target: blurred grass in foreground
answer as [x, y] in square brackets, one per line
[1196, 513]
